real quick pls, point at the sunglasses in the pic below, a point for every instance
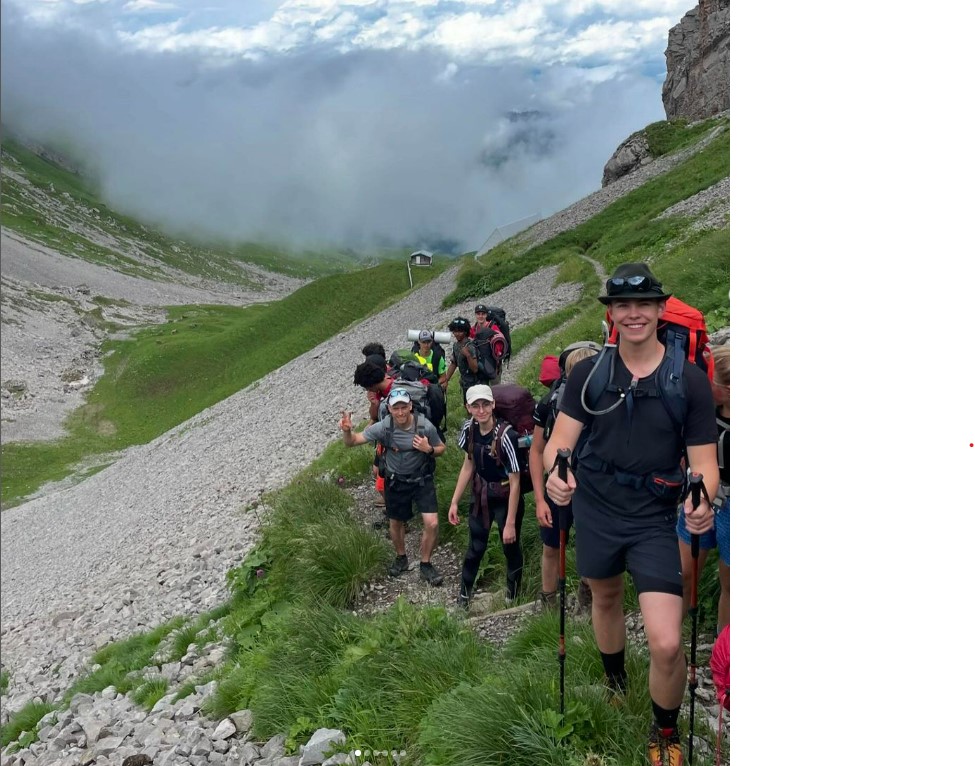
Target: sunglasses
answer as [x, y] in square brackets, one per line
[399, 392]
[617, 285]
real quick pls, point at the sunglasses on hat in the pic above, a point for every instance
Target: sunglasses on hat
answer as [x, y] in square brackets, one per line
[639, 284]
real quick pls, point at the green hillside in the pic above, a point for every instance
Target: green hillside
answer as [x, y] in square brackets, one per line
[414, 678]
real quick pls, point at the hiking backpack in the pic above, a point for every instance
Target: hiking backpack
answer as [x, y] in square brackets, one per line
[514, 407]
[387, 444]
[496, 315]
[549, 373]
[557, 381]
[683, 332]
[491, 348]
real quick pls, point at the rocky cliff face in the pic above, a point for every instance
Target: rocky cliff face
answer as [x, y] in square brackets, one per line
[628, 157]
[698, 63]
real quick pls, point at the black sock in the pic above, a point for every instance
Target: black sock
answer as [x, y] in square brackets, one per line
[666, 719]
[615, 669]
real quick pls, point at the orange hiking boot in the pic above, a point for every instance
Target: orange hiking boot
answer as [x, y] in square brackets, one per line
[664, 750]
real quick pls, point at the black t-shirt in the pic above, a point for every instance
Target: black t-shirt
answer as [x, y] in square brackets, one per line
[644, 443]
[543, 410]
[467, 377]
[485, 465]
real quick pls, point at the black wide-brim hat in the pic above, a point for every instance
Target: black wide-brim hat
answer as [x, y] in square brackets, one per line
[651, 288]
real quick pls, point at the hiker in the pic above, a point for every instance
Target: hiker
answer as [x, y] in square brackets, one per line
[368, 375]
[492, 463]
[626, 487]
[412, 444]
[548, 518]
[720, 536]
[486, 333]
[428, 355]
[375, 353]
[481, 319]
[463, 356]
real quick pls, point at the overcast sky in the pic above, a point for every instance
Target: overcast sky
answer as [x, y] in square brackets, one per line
[314, 121]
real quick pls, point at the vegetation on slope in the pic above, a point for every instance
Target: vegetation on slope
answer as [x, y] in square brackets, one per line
[166, 374]
[417, 679]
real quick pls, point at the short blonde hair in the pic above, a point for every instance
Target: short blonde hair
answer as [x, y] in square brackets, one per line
[722, 364]
[577, 355]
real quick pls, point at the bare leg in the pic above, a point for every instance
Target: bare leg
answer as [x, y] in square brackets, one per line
[607, 614]
[662, 625]
[397, 533]
[429, 540]
[550, 569]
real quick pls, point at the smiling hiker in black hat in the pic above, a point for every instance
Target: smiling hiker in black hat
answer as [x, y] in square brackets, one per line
[411, 443]
[627, 485]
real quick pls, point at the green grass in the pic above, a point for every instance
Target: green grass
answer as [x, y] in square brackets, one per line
[148, 693]
[168, 373]
[667, 136]
[624, 231]
[23, 722]
[4, 681]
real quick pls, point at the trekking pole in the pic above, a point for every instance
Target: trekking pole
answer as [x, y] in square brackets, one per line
[562, 464]
[697, 484]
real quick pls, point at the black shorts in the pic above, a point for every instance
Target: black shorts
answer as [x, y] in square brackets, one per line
[550, 535]
[401, 495]
[608, 544]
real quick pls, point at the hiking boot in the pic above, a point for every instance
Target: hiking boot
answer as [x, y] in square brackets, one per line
[584, 597]
[400, 564]
[429, 573]
[548, 601]
[664, 750]
[464, 601]
[615, 694]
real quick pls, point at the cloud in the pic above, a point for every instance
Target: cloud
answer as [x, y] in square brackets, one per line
[323, 143]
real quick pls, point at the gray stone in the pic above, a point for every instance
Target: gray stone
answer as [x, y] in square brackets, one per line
[224, 730]
[274, 748]
[628, 156]
[322, 741]
[243, 720]
[698, 63]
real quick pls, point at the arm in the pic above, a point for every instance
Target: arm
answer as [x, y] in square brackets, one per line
[535, 466]
[702, 459]
[510, 533]
[463, 479]
[470, 356]
[565, 434]
[429, 444]
[445, 378]
[373, 406]
[345, 425]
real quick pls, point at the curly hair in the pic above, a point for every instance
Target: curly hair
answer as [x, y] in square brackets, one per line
[374, 349]
[368, 374]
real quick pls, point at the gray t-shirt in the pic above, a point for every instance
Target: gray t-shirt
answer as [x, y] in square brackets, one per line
[401, 458]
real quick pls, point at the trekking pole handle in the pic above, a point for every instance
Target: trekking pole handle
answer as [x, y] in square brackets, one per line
[697, 484]
[562, 463]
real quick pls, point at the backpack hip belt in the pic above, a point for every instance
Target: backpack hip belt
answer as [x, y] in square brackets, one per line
[634, 480]
[393, 477]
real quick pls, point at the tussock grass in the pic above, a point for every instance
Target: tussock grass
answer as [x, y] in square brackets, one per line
[24, 720]
[148, 693]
